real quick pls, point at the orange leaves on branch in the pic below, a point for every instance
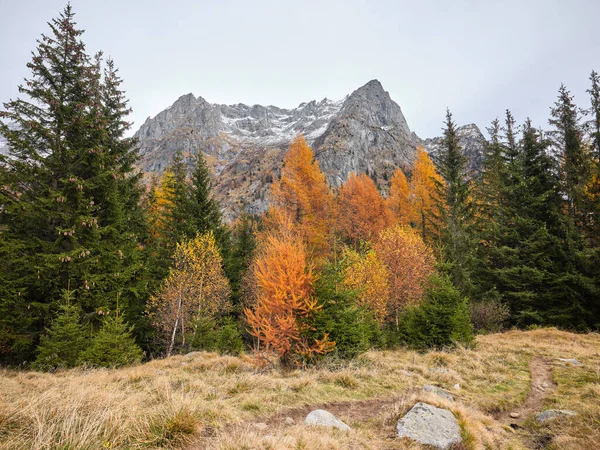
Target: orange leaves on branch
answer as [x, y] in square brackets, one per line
[368, 276]
[196, 287]
[410, 264]
[303, 195]
[285, 301]
[162, 205]
[361, 210]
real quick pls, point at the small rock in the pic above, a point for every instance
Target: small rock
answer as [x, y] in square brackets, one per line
[515, 415]
[551, 414]
[439, 370]
[159, 372]
[261, 426]
[438, 391]
[573, 361]
[193, 354]
[429, 425]
[456, 386]
[289, 421]
[326, 419]
[407, 373]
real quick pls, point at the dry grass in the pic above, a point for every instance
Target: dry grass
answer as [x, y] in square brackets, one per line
[208, 401]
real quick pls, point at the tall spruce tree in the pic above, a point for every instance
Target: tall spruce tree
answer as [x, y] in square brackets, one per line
[63, 213]
[203, 210]
[456, 208]
[593, 124]
[567, 137]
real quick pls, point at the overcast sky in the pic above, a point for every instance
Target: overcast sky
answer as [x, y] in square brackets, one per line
[477, 57]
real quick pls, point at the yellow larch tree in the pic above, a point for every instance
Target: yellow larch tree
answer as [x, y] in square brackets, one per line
[366, 274]
[423, 193]
[399, 199]
[195, 288]
[410, 263]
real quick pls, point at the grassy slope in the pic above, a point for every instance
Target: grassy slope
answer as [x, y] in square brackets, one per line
[208, 401]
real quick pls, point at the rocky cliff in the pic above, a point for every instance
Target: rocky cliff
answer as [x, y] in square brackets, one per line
[365, 132]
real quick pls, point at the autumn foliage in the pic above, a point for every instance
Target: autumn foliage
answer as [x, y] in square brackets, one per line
[399, 199]
[361, 210]
[195, 288]
[303, 195]
[366, 274]
[285, 302]
[424, 196]
[410, 264]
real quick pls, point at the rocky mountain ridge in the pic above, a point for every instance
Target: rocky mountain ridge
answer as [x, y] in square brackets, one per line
[366, 132]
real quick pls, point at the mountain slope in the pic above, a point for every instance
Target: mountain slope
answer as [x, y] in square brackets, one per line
[366, 132]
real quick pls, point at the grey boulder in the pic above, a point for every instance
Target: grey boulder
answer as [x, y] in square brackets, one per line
[551, 414]
[573, 361]
[429, 425]
[326, 419]
[438, 391]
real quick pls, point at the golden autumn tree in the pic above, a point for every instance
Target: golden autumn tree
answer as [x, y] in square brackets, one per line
[399, 198]
[366, 274]
[410, 263]
[162, 205]
[195, 288]
[285, 300]
[361, 210]
[303, 195]
[424, 196]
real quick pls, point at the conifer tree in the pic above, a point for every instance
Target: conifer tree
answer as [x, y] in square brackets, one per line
[575, 160]
[593, 124]
[64, 340]
[455, 207]
[112, 346]
[65, 189]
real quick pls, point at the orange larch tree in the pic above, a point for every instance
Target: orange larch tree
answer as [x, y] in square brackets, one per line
[423, 191]
[410, 264]
[399, 199]
[361, 210]
[285, 302]
[303, 195]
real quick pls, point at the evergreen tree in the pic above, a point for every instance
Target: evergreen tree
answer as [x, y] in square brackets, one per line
[203, 210]
[593, 125]
[67, 191]
[112, 346]
[442, 320]
[64, 340]
[456, 210]
[567, 138]
[243, 244]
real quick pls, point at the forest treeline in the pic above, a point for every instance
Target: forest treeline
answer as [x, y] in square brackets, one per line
[100, 270]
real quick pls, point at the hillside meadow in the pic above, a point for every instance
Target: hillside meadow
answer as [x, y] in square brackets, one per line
[203, 400]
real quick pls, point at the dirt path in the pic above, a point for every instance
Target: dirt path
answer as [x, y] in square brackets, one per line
[541, 386]
[347, 411]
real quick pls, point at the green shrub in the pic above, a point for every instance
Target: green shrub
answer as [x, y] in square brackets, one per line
[65, 340]
[489, 315]
[442, 320]
[113, 346]
[353, 329]
[225, 338]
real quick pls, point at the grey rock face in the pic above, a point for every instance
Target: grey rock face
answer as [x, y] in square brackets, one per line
[364, 132]
[369, 135]
[470, 139]
[326, 419]
[438, 391]
[429, 425]
[551, 414]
